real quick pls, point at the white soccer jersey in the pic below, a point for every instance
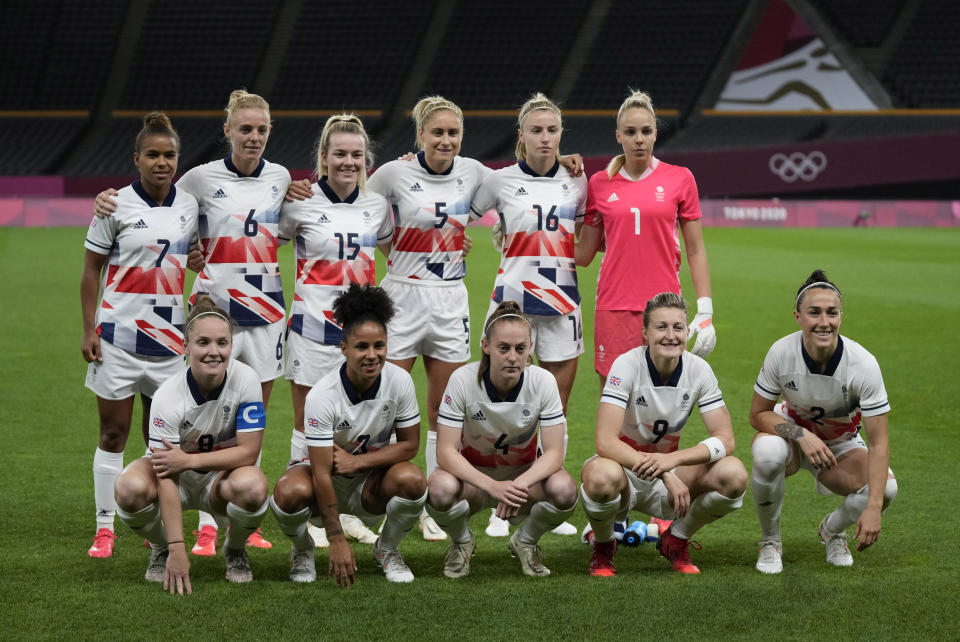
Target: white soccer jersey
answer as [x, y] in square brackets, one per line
[657, 410]
[335, 242]
[538, 215]
[500, 432]
[432, 211]
[829, 404]
[141, 307]
[238, 230]
[335, 414]
[183, 416]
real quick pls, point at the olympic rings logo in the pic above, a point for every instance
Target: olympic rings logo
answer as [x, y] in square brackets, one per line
[798, 165]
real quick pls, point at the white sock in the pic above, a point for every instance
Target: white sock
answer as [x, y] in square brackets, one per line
[106, 468]
[889, 493]
[146, 522]
[849, 511]
[402, 514]
[293, 525]
[704, 509]
[431, 452]
[298, 447]
[454, 522]
[544, 516]
[493, 515]
[242, 524]
[601, 515]
[206, 519]
[770, 457]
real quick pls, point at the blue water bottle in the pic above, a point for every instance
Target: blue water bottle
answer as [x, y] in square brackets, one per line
[635, 534]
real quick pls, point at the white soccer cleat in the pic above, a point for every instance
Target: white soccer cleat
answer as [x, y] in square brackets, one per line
[565, 528]
[456, 561]
[354, 528]
[238, 566]
[319, 536]
[157, 566]
[769, 559]
[431, 532]
[530, 556]
[497, 527]
[303, 568]
[838, 553]
[394, 568]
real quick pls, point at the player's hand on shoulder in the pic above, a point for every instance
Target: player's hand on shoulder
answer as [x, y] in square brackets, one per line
[106, 203]
[573, 163]
[409, 156]
[298, 191]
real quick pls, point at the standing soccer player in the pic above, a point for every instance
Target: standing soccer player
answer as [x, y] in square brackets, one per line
[638, 207]
[363, 428]
[206, 430]
[648, 397]
[240, 198]
[830, 386]
[133, 332]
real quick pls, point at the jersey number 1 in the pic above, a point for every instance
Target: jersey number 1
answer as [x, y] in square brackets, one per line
[636, 220]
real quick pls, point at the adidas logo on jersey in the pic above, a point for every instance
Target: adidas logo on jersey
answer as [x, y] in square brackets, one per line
[641, 401]
[140, 225]
[613, 197]
[790, 385]
[343, 425]
[416, 187]
[219, 194]
[323, 219]
[479, 416]
[521, 192]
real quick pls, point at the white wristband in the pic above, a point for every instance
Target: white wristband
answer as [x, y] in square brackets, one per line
[715, 446]
[705, 305]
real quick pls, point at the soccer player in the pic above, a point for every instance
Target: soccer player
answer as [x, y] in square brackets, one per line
[638, 207]
[829, 386]
[240, 198]
[352, 416]
[335, 233]
[133, 333]
[541, 206]
[649, 394]
[206, 430]
[490, 418]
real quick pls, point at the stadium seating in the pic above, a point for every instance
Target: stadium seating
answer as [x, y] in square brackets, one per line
[864, 23]
[37, 145]
[923, 70]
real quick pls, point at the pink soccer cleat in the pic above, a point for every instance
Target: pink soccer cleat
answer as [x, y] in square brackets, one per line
[102, 544]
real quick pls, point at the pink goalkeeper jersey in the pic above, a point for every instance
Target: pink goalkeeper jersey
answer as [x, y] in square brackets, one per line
[640, 221]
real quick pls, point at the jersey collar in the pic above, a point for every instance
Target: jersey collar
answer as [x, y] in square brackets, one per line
[328, 191]
[550, 173]
[655, 376]
[422, 158]
[352, 393]
[142, 193]
[834, 362]
[492, 392]
[197, 394]
[233, 168]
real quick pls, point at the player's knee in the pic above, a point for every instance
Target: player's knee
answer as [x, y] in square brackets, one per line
[293, 493]
[113, 435]
[561, 490]
[601, 479]
[442, 489]
[770, 455]
[132, 492]
[408, 481]
[890, 491]
[733, 477]
[248, 487]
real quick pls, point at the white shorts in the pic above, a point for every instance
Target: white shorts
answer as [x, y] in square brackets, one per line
[555, 337]
[261, 348]
[349, 490]
[195, 488]
[123, 374]
[308, 360]
[432, 318]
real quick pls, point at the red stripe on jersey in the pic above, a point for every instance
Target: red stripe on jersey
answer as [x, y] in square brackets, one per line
[829, 429]
[168, 338]
[361, 270]
[516, 455]
[554, 298]
[247, 249]
[668, 444]
[559, 243]
[328, 315]
[265, 308]
[136, 280]
[413, 239]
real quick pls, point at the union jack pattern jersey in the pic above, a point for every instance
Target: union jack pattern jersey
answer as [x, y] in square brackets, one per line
[499, 432]
[238, 230]
[334, 413]
[831, 403]
[335, 241]
[431, 213]
[538, 215]
[141, 306]
[656, 410]
[640, 222]
[181, 414]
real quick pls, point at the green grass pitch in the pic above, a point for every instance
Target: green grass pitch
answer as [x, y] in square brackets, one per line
[902, 298]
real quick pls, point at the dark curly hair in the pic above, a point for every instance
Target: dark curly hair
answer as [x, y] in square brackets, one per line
[361, 303]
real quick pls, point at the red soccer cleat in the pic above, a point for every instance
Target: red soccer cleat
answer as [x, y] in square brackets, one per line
[675, 550]
[256, 540]
[601, 562]
[662, 524]
[206, 545]
[102, 544]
